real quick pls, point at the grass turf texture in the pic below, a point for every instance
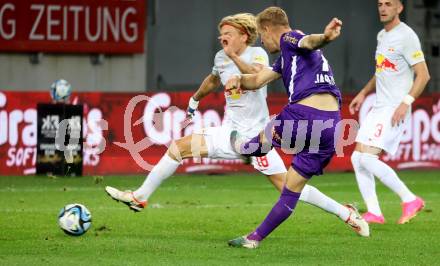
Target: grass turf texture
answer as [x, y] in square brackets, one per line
[190, 218]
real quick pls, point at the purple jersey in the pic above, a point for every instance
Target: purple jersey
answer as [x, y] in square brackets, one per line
[305, 72]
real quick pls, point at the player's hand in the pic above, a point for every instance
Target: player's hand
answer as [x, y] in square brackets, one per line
[190, 112]
[399, 115]
[192, 107]
[333, 30]
[356, 103]
[233, 83]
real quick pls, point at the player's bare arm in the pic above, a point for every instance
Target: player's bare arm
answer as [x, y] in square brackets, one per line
[210, 83]
[422, 78]
[245, 68]
[356, 103]
[252, 81]
[317, 41]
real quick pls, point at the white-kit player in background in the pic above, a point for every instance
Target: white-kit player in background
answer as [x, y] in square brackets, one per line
[245, 112]
[398, 57]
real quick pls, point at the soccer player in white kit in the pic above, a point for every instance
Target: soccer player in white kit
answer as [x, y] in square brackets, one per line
[245, 112]
[398, 57]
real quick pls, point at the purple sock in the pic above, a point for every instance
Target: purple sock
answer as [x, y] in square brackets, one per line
[280, 212]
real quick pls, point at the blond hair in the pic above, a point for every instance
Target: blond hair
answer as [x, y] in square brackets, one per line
[243, 22]
[274, 16]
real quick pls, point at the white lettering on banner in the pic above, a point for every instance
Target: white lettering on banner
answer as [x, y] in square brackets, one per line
[4, 33]
[75, 10]
[414, 146]
[32, 34]
[109, 23]
[22, 125]
[89, 36]
[15, 118]
[17, 155]
[65, 24]
[29, 134]
[93, 134]
[167, 126]
[132, 26]
[52, 22]
[21, 156]
[3, 120]
[152, 121]
[160, 127]
[178, 117]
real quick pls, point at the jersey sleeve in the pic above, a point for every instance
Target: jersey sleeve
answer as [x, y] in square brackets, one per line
[412, 50]
[276, 66]
[215, 70]
[260, 57]
[291, 40]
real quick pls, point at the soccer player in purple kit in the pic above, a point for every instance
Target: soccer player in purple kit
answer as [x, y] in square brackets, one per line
[308, 121]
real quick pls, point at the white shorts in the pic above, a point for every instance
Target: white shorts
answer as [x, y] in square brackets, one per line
[219, 147]
[376, 129]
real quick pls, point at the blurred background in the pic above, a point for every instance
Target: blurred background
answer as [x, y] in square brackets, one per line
[180, 41]
[113, 50]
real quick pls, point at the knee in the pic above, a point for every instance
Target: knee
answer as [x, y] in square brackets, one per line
[175, 150]
[295, 182]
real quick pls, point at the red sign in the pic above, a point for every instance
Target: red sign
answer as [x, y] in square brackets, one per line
[74, 26]
[140, 127]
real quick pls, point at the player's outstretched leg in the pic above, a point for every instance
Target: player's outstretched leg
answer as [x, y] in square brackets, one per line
[357, 222]
[126, 197]
[284, 208]
[280, 212]
[309, 194]
[185, 147]
[347, 213]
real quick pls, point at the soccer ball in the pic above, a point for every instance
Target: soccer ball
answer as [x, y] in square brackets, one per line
[75, 219]
[60, 90]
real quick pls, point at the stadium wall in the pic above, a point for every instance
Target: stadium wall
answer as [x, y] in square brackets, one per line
[141, 126]
[181, 45]
[171, 69]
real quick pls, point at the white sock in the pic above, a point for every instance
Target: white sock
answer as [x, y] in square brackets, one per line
[313, 196]
[366, 184]
[161, 171]
[387, 175]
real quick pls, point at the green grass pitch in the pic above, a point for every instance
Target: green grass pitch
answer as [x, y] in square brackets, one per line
[191, 217]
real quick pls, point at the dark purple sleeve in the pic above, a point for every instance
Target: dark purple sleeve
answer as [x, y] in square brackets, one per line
[276, 66]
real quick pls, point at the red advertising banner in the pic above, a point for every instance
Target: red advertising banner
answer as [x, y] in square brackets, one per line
[140, 127]
[74, 26]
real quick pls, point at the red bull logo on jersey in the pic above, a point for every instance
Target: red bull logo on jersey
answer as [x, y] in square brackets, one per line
[383, 63]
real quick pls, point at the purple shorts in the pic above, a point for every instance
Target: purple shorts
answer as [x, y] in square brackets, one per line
[303, 131]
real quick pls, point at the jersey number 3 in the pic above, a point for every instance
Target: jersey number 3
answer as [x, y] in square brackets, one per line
[379, 128]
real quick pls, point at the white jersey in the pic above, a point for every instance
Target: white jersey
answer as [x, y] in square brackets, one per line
[397, 51]
[246, 111]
